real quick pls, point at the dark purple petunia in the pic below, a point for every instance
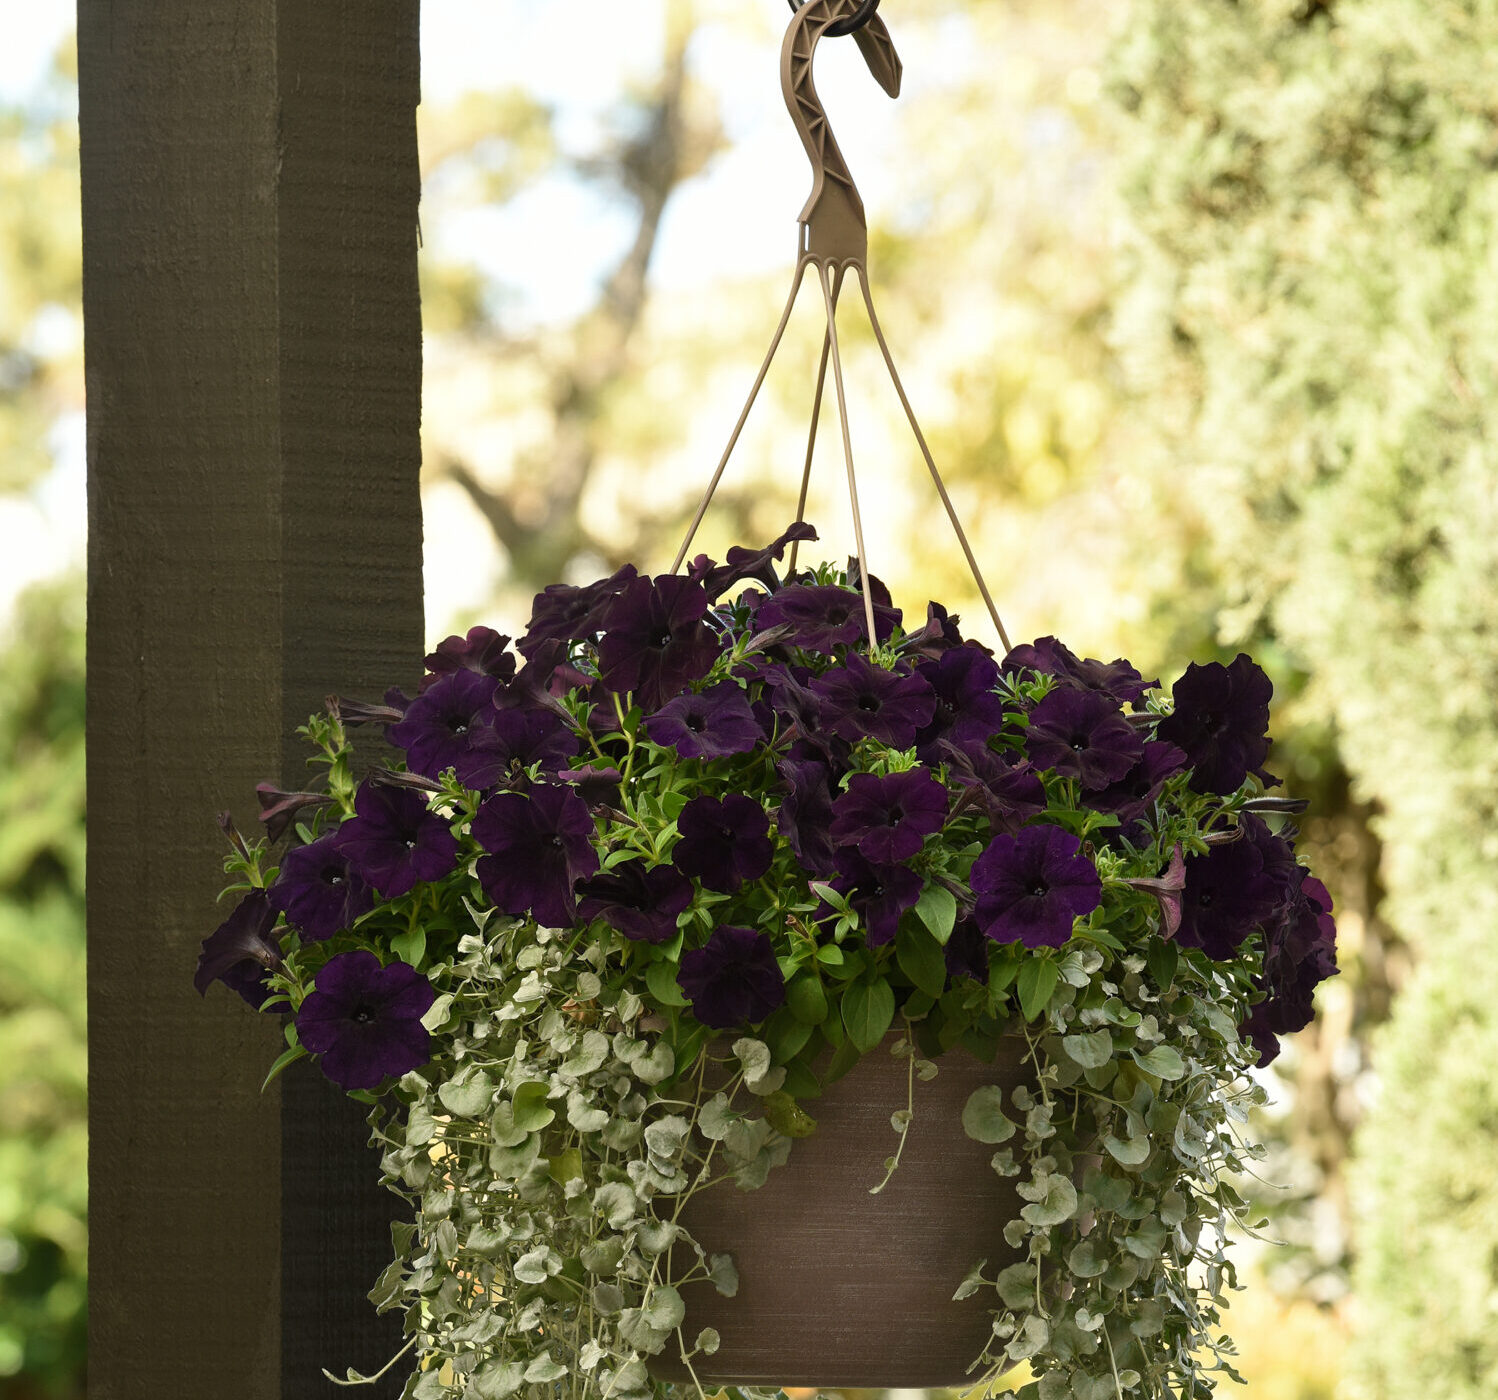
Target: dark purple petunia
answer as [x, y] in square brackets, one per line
[889, 818]
[539, 685]
[510, 741]
[279, 809]
[756, 564]
[598, 787]
[734, 980]
[860, 700]
[438, 729]
[539, 843]
[1082, 735]
[350, 713]
[241, 951]
[824, 616]
[878, 893]
[967, 710]
[566, 613]
[713, 724]
[364, 1020]
[1131, 795]
[482, 651]
[1167, 889]
[1034, 886]
[724, 841]
[805, 818]
[937, 637]
[1009, 791]
[1284, 874]
[1116, 679]
[1221, 721]
[318, 891]
[394, 839]
[641, 902]
[967, 952]
[1300, 953]
[1226, 896]
[655, 642]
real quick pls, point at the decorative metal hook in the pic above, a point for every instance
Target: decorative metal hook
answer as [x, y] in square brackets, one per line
[853, 23]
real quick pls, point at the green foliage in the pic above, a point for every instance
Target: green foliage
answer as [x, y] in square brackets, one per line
[1315, 198]
[43, 1062]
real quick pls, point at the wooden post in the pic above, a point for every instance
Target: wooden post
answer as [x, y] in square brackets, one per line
[250, 198]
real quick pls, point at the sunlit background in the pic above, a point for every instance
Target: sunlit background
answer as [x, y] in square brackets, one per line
[1195, 304]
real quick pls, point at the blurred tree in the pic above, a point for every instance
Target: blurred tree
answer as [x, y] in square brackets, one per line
[43, 1060]
[1314, 186]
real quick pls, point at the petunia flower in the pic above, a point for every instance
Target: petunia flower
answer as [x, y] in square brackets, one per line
[241, 951]
[1116, 679]
[1221, 721]
[805, 817]
[279, 809]
[756, 564]
[1130, 796]
[860, 700]
[1080, 734]
[539, 843]
[824, 615]
[483, 651]
[655, 642]
[318, 891]
[966, 952]
[889, 818]
[724, 841]
[967, 709]
[438, 727]
[510, 741]
[937, 637]
[641, 901]
[1032, 887]
[565, 612]
[879, 894]
[1010, 791]
[1167, 889]
[713, 724]
[364, 1020]
[394, 839]
[1226, 896]
[734, 980]
[597, 786]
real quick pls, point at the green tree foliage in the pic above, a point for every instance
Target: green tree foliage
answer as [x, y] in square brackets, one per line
[1314, 189]
[43, 1060]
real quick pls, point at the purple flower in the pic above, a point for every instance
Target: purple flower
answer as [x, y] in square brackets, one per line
[437, 731]
[656, 643]
[879, 894]
[750, 563]
[241, 951]
[967, 709]
[734, 980]
[1009, 791]
[712, 724]
[724, 841]
[860, 700]
[598, 787]
[1080, 734]
[937, 637]
[539, 843]
[1226, 896]
[1221, 720]
[805, 818]
[510, 741]
[394, 839]
[824, 616]
[1167, 889]
[967, 952]
[1034, 886]
[888, 818]
[318, 891]
[279, 809]
[641, 902]
[566, 613]
[1300, 953]
[1132, 794]
[482, 651]
[1117, 679]
[365, 1020]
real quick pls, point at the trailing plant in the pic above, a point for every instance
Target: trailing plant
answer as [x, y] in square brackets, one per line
[650, 881]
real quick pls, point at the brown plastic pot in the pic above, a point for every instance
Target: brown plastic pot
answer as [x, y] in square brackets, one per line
[839, 1288]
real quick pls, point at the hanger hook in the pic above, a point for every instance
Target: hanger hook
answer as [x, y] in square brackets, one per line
[854, 22]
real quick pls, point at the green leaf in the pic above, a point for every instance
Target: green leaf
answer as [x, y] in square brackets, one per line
[1058, 1204]
[1163, 960]
[807, 999]
[983, 1117]
[1037, 980]
[660, 977]
[787, 1117]
[467, 1095]
[830, 955]
[845, 1057]
[411, 945]
[921, 958]
[1131, 1152]
[1164, 1062]
[529, 1109]
[868, 1010]
[937, 909]
[1090, 1051]
[286, 1057]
